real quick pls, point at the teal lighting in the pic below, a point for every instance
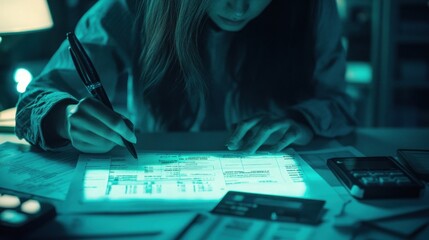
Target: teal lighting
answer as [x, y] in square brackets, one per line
[193, 176]
[359, 72]
[22, 77]
[342, 8]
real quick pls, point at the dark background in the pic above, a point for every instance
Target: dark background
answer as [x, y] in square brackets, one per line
[32, 50]
[387, 39]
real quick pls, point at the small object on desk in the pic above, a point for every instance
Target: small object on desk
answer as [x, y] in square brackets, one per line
[417, 161]
[270, 207]
[375, 177]
[19, 214]
[90, 78]
[242, 215]
[7, 120]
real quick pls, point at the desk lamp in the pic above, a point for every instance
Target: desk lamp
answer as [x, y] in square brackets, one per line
[17, 17]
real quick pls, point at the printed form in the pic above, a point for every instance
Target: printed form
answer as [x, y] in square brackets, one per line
[35, 172]
[187, 180]
[189, 175]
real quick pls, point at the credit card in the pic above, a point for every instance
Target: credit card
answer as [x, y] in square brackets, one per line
[270, 207]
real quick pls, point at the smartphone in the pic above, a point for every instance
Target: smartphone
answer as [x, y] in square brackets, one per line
[375, 177]
[416, 160]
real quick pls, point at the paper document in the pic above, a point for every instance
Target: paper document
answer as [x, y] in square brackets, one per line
[44, 174]
[190, 176]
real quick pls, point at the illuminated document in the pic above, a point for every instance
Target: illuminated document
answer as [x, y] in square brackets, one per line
[187, 180]
[190, 175]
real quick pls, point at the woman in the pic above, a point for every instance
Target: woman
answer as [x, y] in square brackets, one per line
[263, 67]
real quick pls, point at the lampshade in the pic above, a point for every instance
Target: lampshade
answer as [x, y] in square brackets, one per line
[24, 15]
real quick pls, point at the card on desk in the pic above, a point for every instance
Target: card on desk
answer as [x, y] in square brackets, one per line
[242, 215]
[270, 207]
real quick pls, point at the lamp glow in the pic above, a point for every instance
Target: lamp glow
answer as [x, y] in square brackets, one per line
[24, 15]
[359, 72]
[22, 77]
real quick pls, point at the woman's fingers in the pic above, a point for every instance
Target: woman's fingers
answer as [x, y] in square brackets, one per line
[298, 134]
[288, 138]
[89, 142]
[235, 141]
[129, 124]
[266, 129]
[92, 127]
[83, 128]
[109, 118]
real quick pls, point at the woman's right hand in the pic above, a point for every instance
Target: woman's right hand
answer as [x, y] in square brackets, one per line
[94, 128]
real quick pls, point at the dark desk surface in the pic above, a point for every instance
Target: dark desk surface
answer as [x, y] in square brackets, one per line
[370, 141]
[385, 141]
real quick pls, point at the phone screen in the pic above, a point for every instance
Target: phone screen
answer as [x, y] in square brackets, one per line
[368, 163]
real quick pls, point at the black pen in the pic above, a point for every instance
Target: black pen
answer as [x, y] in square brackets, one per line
[90, 78]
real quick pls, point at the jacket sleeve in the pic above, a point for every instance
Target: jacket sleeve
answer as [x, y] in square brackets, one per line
[331, 112]
[104, 37]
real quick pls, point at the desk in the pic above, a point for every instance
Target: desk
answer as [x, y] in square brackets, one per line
[385, 141]
[369, 141]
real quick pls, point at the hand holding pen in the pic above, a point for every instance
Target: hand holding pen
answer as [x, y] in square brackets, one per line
[92, 124]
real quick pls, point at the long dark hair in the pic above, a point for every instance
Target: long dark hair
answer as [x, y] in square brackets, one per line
[169, 74]
[279, 61]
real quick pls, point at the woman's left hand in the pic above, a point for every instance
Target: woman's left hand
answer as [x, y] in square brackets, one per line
[251, 134]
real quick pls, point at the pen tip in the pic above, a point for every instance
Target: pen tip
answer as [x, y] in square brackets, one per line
[133, 152]
[130, 148]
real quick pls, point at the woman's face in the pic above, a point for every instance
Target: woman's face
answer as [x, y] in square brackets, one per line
[233, 15]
